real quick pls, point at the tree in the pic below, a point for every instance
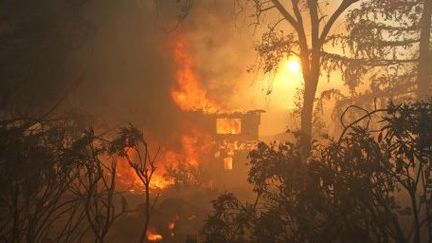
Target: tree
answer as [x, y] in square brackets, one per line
[131, 145]
[352, 189]
[424, 72]
[58, 181]
[96, 184]
[392, 39]
[37, 172]
[311, 31]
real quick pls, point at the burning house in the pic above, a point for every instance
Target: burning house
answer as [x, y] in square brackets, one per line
[207, 135]
[234, 134]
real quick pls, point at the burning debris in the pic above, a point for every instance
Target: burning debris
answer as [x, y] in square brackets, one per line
[171, 227]
[153, 236]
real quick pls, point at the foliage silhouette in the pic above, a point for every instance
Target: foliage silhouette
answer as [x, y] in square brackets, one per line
[366, 186]
[58, 180]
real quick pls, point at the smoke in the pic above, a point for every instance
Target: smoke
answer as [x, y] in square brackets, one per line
[132, 70]
[130, 67]
[223, 47]
[128, 62]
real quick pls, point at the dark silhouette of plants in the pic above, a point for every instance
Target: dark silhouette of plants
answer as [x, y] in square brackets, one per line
[96, 184]
[367, 186]
[58, 182]
[36, 175]
[131, 145]
[183, 175]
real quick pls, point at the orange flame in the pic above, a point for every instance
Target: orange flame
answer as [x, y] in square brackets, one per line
[153, 236]
[130, 181]
[171, 225]
[194, 148]
[189, 95]
[228, 163]
[228, 126]
[195, 144]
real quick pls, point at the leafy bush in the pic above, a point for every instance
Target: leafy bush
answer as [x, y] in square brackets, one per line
[367, 186]
[58, 180]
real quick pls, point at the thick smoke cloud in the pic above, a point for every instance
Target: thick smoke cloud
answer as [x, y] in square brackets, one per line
[223, 48]
[132, 68]
[124, 51]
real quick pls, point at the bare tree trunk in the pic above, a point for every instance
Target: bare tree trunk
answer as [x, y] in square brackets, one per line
[424, 72]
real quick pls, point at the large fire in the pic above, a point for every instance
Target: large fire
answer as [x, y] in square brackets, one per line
[228, 126]
[194, 146]
[195, 143]
[130, 181]
[189, 94]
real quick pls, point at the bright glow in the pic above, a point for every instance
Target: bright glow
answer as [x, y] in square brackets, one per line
[293, 65]
[285, 84]
[228, 126]
[153, 236]
[228, 163]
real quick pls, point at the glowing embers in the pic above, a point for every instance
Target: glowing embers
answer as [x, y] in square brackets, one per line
[228, 163]
[172, 227]
[153, 236]
[225, 126]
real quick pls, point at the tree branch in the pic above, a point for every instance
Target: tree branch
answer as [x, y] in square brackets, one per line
[327, 27]
[313, 11]
[287, 16]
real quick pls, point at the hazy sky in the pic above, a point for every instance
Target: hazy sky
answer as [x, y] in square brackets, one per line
[132, 69]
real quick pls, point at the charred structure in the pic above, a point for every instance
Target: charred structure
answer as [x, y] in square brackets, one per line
[234, 134]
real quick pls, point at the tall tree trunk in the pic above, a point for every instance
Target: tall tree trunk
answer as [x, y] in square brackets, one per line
[307, 113]
[311, 73]
[424, 71]
[307, 117]
[311, 78]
